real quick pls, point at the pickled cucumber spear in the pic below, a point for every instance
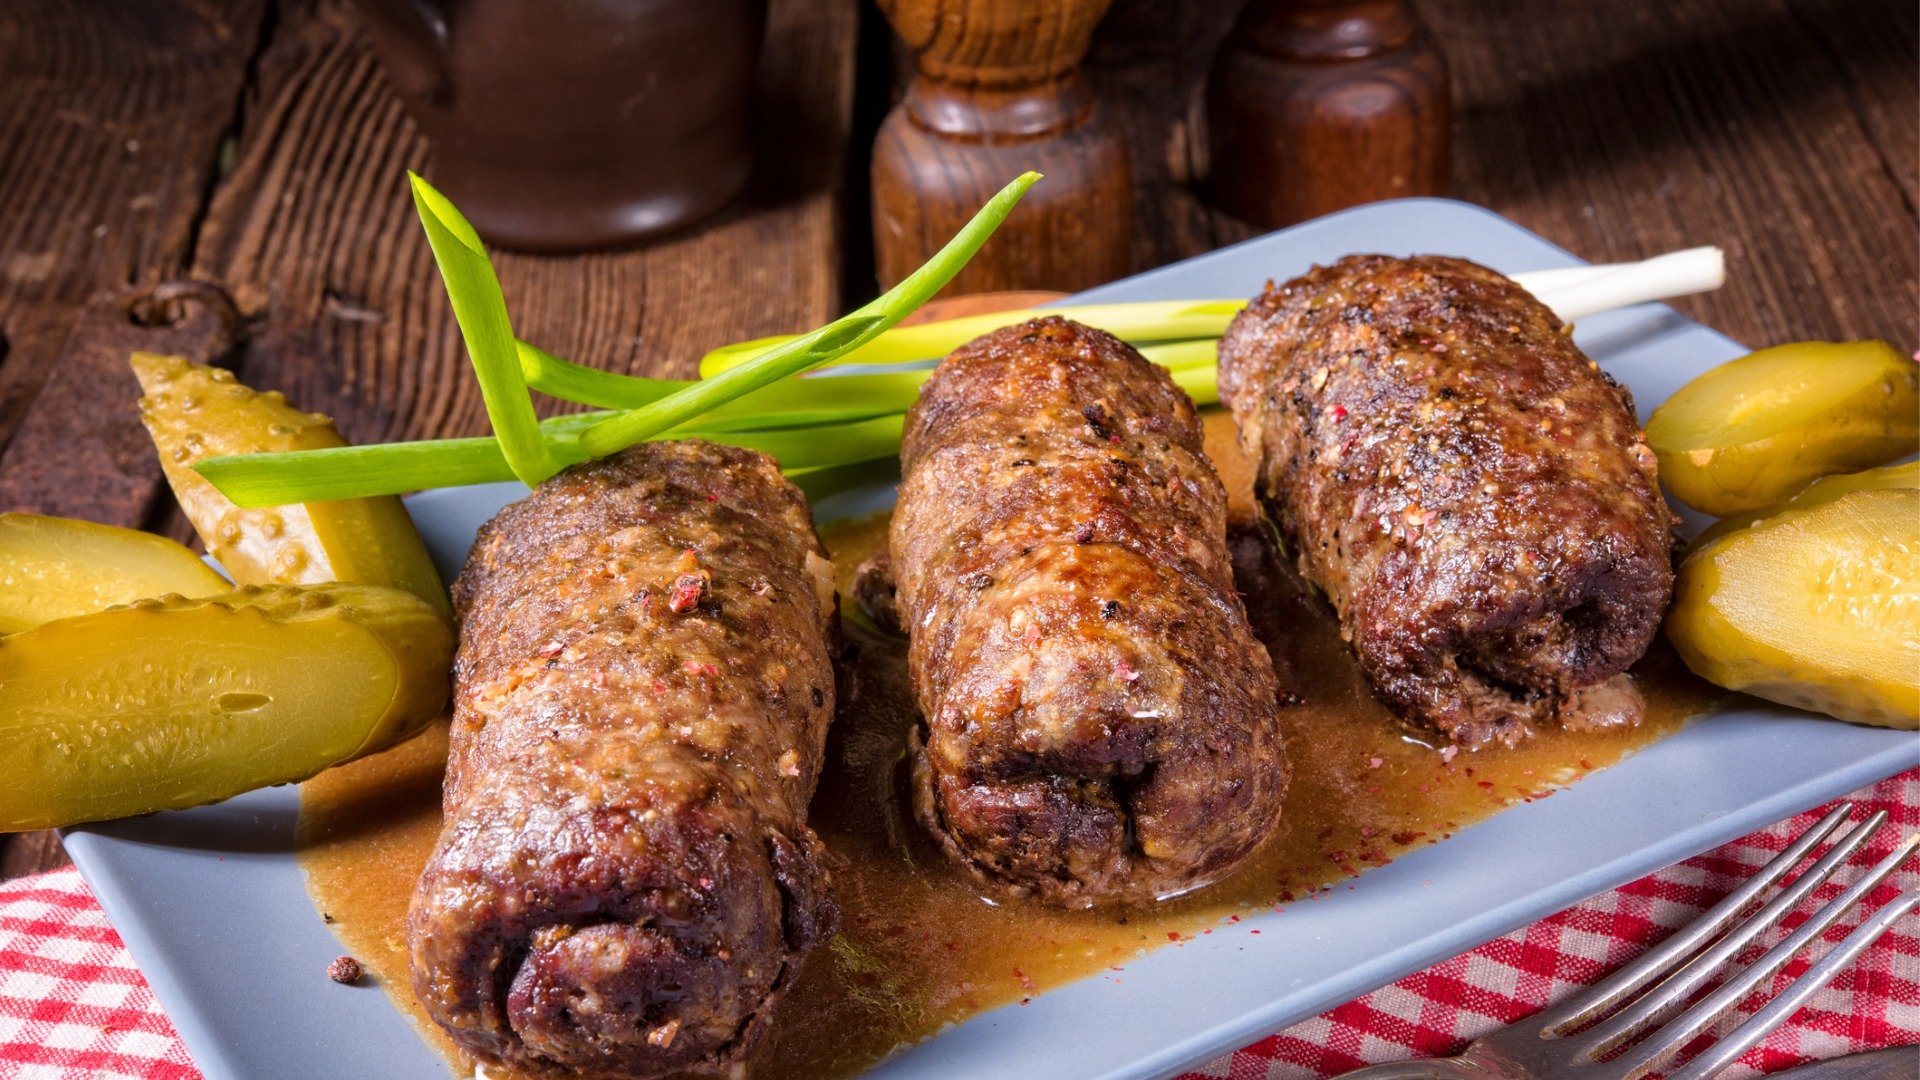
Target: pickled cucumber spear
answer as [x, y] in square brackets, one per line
[194, 412]
[53, 568]
[166, 704]
[1751, 432]
[1824, 490]
[1818, 608]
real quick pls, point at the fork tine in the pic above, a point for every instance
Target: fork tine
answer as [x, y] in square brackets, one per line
[1691, 1023]
[1675, 988]
[1721, 1054]
[1628, 980]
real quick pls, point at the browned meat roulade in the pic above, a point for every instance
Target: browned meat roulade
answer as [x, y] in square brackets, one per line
[1100, 721]
[1471, 491]
[625, 879]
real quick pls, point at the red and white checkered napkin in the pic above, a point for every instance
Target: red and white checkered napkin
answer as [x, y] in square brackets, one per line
[72, 1004]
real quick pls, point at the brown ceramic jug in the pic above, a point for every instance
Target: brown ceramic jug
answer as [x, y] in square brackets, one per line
[559, 125]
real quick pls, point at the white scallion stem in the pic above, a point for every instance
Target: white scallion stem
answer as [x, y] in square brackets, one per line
[1579, 291]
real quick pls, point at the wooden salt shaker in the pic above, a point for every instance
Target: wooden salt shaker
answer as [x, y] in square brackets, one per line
[1318, 105]
[996, 91]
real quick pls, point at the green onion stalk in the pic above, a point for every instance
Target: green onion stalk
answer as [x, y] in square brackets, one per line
[829, 343]
[806, 423]
[1139, 323]
[532, 451]
[827, 430]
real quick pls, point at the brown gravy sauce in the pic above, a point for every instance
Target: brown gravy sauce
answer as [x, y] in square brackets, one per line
[918, 949]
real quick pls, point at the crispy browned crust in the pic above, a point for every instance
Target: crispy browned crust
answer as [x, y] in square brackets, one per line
[1099, 717]
[625, 878]
[1470, 490]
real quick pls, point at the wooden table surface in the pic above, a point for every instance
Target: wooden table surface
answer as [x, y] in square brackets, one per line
[225, 178]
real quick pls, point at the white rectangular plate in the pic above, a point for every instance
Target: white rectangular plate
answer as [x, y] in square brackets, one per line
[214, 909]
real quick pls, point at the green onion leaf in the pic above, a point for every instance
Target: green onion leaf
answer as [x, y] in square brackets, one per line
[789, 403]
[355, 472]
[797, 421]
[810, 350]
[1202, 384]
[1183, 355]
[481, 310]
[1159, 320]
[812, 448]
[569, 381]
[358, 472]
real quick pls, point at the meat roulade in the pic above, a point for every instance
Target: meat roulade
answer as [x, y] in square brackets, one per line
[1100, 720]
[1471, 492]
[625, 879]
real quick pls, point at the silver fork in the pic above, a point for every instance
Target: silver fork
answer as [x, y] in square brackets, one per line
[1557, 1044]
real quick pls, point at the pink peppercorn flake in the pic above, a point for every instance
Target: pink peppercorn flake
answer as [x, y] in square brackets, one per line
[687, 591]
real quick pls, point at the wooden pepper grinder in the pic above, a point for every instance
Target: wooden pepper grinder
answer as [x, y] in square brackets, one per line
[1317, 105]
[997, 91]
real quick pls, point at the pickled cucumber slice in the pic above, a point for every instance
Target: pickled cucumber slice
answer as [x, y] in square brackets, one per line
[1751, 432]
[51, 568]
[164, 704]
[1817, 608]
[196, 412]
[1824, 490]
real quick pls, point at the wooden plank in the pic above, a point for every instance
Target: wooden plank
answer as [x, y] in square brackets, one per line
[1622, 133]
[1780, 129]
[82, 450]
[112, 114]
[316, 239]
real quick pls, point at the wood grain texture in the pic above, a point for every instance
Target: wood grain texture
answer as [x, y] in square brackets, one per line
[1744, 123]
[112, 116]
[1780, 129]
[996, 92]
[80, 452]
